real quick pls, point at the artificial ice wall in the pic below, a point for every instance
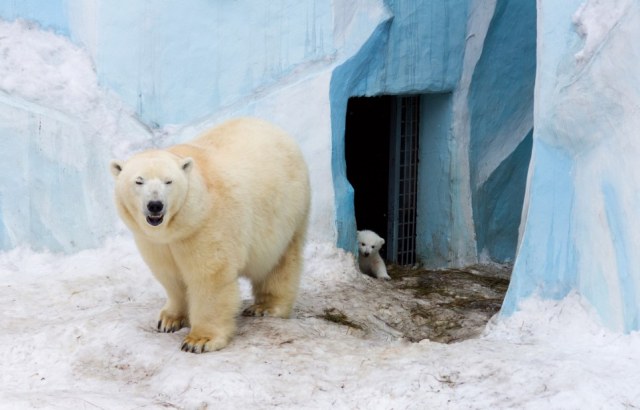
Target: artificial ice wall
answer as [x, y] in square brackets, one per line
[473, 63]
[580, 228]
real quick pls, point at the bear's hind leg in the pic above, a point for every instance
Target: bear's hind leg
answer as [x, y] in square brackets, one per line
[275, 294]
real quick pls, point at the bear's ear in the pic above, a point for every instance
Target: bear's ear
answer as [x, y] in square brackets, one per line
[187, 164]
[381, 242]
[116, 168]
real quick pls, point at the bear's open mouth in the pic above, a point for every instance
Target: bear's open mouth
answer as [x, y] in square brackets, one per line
[155, 220]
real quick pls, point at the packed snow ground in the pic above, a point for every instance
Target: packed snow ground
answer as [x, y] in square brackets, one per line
[78, 332]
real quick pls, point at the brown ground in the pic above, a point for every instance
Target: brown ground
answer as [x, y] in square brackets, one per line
[440, 305]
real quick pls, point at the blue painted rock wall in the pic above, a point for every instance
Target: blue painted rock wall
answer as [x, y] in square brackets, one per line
[581, 231]
[419, 50]
[501, 109]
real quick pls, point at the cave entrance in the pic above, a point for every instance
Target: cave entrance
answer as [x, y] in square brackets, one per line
[381, 149]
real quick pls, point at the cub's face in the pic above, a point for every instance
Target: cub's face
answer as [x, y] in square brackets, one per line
[369, 243]
[151, 187]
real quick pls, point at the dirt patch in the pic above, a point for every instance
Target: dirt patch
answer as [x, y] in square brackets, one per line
[439, 305]
[335, 316]
[460, 301]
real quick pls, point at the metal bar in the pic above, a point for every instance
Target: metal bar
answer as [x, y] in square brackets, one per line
[403, 184]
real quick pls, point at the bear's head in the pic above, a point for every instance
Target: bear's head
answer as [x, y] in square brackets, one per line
[369, 242]
[151, 187]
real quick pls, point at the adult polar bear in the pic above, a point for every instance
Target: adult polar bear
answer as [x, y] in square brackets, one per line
[232, 202]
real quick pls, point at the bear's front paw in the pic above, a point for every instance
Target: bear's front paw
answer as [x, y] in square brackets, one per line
[170, 324]
[200, 344]
[260, 309]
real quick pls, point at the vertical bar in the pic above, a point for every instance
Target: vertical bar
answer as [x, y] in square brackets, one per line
[394, 175]
[403, 180]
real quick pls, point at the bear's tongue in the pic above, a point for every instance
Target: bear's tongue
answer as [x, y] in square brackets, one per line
[154, 220]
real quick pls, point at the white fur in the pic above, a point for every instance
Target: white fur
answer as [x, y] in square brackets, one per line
[234, 201]
[369, 259]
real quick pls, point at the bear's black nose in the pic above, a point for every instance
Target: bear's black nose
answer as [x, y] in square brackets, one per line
[366, 254]
[155, 206]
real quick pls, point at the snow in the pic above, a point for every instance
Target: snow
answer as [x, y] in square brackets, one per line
[78, 332]
[45, 70]
[594, 21]
[59, 75]
[56, 124]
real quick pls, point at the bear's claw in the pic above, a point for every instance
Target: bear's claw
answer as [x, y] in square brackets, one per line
[168, 324]
[194, 347]
[259, 309]
[194, 344]
[191, 348]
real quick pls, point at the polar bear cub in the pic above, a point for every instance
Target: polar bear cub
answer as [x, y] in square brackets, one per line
[232, 202]
[369, 259]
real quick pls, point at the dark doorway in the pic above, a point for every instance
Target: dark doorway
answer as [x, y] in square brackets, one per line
[367, 141]
[381, 148]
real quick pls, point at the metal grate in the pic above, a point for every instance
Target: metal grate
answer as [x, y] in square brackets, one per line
[404, 181]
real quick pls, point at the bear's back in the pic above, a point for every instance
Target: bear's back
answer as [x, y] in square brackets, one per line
[244, 145]
[262, 174]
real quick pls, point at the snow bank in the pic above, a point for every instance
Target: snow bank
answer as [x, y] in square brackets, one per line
[59, 128]
[78, 331]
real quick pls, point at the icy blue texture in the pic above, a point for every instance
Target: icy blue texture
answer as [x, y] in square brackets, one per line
[499, 205]
[549, 232]
[43, 196]
[581, 230]
[623, 250]
[418, 51]
[546, 263]
[171, 64]
[435, 216]
[50, 14]
[178, 63]
[501, 109]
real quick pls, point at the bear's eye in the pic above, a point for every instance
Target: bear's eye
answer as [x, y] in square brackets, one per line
[362, 244]
[168, 182]
[139, 181]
